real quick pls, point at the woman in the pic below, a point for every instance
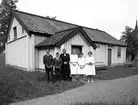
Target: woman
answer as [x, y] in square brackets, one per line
[73, 64]
[57, 66]
[65, 65]
[81, 66]
[90, 66]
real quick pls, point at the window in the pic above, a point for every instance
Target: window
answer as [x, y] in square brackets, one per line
[15, 32]
[22, 30]
[77, 48]
[119, 52]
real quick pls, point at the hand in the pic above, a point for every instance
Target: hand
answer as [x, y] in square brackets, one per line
[65, 63]
[90, 63]
[81, 67]
[74, 64]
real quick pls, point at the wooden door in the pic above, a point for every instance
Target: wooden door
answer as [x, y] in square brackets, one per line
[109, 57]
[77, 48]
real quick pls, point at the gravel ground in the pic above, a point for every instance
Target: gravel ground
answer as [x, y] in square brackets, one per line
[124, 90]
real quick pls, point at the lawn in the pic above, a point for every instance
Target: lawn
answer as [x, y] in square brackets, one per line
[101, 103]
[17, 85]
[116, 72]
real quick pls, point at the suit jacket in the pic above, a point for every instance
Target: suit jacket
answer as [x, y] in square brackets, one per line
[48, 60]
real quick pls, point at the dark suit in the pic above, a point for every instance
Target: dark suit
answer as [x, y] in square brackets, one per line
[48, 62]
[65, 67]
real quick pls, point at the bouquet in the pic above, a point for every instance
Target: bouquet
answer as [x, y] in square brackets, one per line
[82, 66]
[74, 63]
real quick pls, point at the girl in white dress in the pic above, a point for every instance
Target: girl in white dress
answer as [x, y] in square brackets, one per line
[81, 66]
[74, 64]
[90, 66]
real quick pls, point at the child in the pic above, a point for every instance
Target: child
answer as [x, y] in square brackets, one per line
[81, 66]
[73, 64]
[57, 66]
[90, 67]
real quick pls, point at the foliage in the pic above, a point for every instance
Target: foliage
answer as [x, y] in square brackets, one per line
[130, 39]
[6, 8]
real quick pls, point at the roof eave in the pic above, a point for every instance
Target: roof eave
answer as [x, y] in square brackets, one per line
[45, 47]
[111, 44]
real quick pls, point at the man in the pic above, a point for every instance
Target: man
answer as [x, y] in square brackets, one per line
[65, 66]
[48, 62]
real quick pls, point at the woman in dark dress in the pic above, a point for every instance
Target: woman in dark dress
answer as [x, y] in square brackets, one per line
[65, 65]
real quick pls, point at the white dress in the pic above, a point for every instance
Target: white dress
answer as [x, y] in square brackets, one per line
[81, 65]
[74, 64]
[90, 69]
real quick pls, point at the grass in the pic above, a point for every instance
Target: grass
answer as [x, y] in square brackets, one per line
[116, 72]
[17, 85]
[101, 103]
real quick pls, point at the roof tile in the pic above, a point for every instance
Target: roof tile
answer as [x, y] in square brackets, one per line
[49, 26]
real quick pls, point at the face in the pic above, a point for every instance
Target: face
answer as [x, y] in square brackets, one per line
[74, 51]
[57, 54]
[64, 51]
[47, 51]
[90, 53]
[80, 55]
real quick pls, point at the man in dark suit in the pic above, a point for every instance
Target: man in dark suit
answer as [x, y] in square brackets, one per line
[48, 62]
[65, 66]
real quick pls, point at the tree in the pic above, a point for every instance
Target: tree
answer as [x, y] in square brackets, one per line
[129, 38]
[6, 8]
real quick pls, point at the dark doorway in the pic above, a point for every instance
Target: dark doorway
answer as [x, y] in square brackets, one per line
[109, 57]
[77, 48]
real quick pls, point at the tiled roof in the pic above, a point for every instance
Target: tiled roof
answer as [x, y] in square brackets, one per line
[45, 25]
[58, 36]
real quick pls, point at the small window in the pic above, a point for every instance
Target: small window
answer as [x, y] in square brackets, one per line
[15, 32]
[119, 52]
[22, 30]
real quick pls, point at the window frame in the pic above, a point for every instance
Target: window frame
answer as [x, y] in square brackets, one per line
[15, 32]
[79, 46]
[119, 52]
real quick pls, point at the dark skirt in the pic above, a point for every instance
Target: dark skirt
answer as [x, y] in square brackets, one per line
[65, 69]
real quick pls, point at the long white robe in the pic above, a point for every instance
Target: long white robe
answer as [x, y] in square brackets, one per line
[81, 65]
[90, 69]
[74, 64]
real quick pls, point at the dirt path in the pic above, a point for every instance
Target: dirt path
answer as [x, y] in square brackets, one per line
[120, 90]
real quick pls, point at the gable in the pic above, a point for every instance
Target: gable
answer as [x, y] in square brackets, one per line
[77, 39]
[20, 30]
[63, 36]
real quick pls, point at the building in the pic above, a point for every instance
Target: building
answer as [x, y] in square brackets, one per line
[29, 35]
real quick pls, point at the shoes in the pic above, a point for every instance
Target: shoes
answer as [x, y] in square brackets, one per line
[92, 81]
[88, 80]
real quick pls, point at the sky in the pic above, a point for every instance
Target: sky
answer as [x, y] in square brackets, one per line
[108, 15]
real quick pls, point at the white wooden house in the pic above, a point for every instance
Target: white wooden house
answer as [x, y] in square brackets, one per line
[29, 36]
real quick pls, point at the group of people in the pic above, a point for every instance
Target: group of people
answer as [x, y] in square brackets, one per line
[69, 67]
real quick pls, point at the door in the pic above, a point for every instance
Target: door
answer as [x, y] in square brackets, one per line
[109, 57]
[78, 49]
